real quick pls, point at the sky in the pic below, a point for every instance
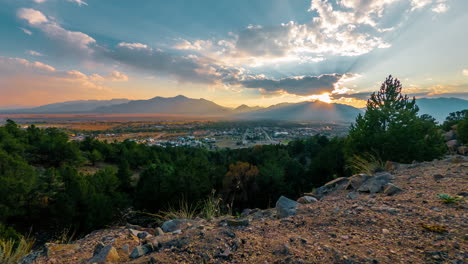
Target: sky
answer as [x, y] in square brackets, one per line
[254, 52]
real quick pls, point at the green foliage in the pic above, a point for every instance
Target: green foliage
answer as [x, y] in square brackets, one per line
[462, 130]
[448, 199]
[392, 129]
[454, 118]
[12, 251]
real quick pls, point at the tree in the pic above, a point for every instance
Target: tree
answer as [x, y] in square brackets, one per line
[392, 130]
[239, 182]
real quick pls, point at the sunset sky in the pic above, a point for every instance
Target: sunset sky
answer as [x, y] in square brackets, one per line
[254, 52]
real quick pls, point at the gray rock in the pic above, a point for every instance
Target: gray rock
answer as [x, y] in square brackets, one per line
[376, 183]
[450, 135]
[173, 225]
[158, 231]
[337, 184]
[307, 200]
[392, 189]
[285, 207]
[357, 180]
[453, 144]
[352, 195]
[143, 235]
[98, 248]
[107, 254]
[140, 251]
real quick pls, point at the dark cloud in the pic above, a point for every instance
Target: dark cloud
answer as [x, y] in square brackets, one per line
[304, 85]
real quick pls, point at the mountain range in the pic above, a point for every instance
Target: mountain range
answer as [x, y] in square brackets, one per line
[181, 105]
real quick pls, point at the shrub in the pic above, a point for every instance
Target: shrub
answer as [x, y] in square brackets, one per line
[366, 163]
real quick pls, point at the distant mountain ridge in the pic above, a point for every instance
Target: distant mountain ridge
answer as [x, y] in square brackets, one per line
[439, 108]
[167, 105]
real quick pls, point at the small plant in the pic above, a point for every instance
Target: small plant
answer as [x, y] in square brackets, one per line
[65, 237]
[366, 163]
[210, 208]
[434, 228]
[12, 251]
[448, 199]
[183, 211]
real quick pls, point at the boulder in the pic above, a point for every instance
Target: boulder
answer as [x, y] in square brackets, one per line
[453, 144]
[285, 207]
[107, 254]
[449, 135]
[357, 180]
[462, 150]
[307, 200]
[376, 183]
[158, 231]
[140, 251]
[176, 224]
[52, 250]
[337, 184]
[392, 189]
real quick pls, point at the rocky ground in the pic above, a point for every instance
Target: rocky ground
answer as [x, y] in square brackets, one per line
[356, 220]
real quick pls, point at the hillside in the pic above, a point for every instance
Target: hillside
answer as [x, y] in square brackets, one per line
[347, 225]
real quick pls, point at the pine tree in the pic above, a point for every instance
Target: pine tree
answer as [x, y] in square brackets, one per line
[391, 129]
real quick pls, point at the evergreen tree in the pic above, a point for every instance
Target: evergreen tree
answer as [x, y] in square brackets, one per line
[392, 130]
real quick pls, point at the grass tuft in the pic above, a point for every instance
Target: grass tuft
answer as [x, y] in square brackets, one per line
[366, 163]
[12, 251]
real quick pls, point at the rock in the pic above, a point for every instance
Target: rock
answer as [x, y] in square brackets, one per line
[285, 207]
[357, 180]
[140, 251]
[177, 232]
[462, 150]
[385, 231]
[98, 248]
[158, 231]
[143, 235]
[337, 184]
[307, 200]
[52, 250]
[376, 183]
[235, 222]
[108, 254]
[176, 224]
[391, 189]
[352, 195]
[246, 212]
[392, 166]
[450, 135]
[385, 209]
[438, 176]
[452, 144]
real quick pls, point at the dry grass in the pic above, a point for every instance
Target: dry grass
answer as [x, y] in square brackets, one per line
[366, 163]
[12, 252]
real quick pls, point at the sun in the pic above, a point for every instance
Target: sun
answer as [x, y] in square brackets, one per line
[325, 97]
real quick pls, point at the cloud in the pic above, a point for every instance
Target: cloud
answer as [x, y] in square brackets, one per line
[73, 39]
[465, 72]
[34, 53]
[133, 45]
[26, 31]
[299, 85]
[33, 17]
[22, 80]
[79, 2]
